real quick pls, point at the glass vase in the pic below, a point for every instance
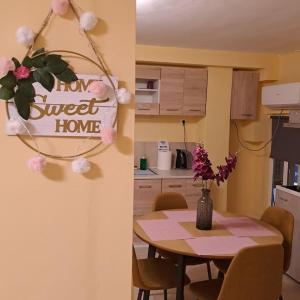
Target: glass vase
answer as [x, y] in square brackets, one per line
[204, 211]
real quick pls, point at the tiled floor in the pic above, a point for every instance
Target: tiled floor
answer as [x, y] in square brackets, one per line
[291, 289]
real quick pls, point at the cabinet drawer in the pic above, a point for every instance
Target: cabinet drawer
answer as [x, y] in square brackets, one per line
[174, 185]
[146, 108]
[194, 110]
[147, 72]
[145, 192]
[193, 188]
[170, 109]
[192, 201]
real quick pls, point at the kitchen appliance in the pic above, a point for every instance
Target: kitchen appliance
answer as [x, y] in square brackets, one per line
[288, 197]
[285, 95]
[164, 156]
[181, 159]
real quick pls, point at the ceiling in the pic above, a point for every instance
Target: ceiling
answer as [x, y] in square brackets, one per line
[241, 25]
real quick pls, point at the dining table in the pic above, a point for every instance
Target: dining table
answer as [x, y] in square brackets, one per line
[175, 231]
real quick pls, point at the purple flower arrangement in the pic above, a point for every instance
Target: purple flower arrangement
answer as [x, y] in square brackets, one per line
[202, 167]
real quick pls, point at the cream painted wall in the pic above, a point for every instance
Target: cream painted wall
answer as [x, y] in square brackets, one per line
[65, 236]
[268, 63]
[169, 128]
[248, 189]
[250, 184]
[155, 128]
[217, 125]
[289, 67]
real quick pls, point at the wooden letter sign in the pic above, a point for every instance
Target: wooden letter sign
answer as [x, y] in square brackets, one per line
[70, 110]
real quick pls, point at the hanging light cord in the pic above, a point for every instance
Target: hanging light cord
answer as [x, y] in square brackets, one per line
[241, 143]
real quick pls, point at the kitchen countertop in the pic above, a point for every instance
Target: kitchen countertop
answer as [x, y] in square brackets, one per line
[170, 174]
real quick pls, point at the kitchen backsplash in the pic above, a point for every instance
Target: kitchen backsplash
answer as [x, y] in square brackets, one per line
[149, 150]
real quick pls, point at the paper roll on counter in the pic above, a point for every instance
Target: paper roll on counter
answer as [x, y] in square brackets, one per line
[164, 160]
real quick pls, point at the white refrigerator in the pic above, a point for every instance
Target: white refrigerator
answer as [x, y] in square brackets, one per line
[290, 200]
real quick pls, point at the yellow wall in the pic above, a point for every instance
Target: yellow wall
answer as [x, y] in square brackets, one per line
[217, 125]
[248, 189]
[166, 127]
[267, 62]
[289, 66]
[155, 128]
[250, 184]
[65, 236]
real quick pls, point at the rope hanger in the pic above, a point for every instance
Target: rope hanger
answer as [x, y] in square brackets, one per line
[100, 64]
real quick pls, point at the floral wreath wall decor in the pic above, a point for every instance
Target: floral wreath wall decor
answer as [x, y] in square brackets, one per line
[45, 97]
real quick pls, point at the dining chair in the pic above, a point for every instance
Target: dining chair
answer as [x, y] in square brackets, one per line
[154, 274]
[171, 200]
[283, 221]
[255, 273]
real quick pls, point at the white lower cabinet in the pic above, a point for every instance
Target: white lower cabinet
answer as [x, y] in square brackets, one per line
[146, 190]
[291, 202]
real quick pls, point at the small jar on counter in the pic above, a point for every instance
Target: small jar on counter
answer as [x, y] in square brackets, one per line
[143, 163]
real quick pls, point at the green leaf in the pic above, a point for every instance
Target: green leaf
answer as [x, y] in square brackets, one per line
[44, 78]
[22, 104]
[27, 89]
[5, 93]
[67, 76]
[27, 62]
[16, 62]
[39, 51]
[9, 81]
[53, 59]
[54, 64]
[38, 62]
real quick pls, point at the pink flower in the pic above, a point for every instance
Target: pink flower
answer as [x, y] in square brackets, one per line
[6, 65]
[37, 163]
[98, 88]
[108, 135]
[60, 7]
[202, 166]
[22, 72]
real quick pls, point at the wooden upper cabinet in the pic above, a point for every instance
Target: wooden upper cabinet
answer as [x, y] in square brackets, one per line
[171, 90]
[147, 72]
[195, 92]
[244, 95]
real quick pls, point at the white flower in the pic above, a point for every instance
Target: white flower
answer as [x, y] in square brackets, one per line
[14, 126]
[25, 36]
[81, 165]
[88, 21]
[123, 96]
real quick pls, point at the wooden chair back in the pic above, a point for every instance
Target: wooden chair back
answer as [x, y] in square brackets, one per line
[255, 273]
[169, 200]
[136, 276]
[283, 221]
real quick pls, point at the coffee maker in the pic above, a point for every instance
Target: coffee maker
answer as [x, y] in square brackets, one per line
[181, 159]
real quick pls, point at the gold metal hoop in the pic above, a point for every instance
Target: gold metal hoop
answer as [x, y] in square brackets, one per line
[81, 153]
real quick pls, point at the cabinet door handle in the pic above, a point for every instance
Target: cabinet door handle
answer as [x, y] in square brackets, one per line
[145, 186]
[172, 109]
[283, 199]
[175, 185]
[194, 109]
[197, 185]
